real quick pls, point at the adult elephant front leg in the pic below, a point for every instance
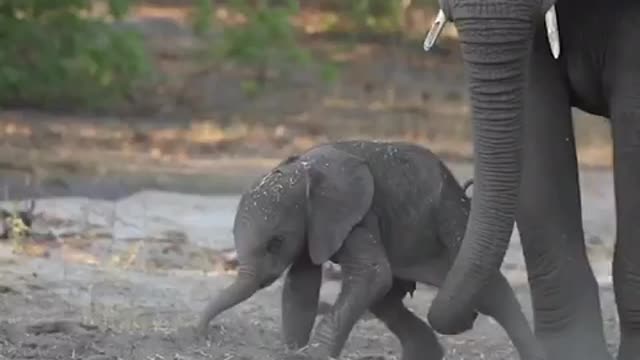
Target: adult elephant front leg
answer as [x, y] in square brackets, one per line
[367, 277]
[626, 264]
[567, 314]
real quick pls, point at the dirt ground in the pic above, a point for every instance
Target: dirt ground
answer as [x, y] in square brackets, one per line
[87, 291]
[55, 310]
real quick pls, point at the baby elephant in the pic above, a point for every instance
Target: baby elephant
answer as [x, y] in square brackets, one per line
[391, 214]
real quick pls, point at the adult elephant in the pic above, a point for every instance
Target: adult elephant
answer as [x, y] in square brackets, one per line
[523, 84]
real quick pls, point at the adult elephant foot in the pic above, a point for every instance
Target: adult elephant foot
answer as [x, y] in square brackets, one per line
[568, 322]
[562, 345]
[626, 262]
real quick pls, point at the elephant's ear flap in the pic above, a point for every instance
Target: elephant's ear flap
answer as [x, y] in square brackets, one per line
[340, 192]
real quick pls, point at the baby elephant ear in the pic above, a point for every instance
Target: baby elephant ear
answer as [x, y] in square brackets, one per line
[340, 192]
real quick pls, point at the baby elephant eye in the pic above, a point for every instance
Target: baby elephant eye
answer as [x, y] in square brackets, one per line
[275, 244]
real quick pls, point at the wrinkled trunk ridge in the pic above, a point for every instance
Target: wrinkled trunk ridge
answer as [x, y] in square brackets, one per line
[495, 39]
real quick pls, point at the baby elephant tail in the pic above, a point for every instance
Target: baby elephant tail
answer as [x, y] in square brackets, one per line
[467, 184]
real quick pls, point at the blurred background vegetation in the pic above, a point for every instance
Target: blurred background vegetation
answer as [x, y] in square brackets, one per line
[160, 81]
[81, 55]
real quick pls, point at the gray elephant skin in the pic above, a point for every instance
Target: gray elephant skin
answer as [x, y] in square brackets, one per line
[528, 63]
[391, 214]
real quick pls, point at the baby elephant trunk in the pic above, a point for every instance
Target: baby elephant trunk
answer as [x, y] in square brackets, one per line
[242, 288]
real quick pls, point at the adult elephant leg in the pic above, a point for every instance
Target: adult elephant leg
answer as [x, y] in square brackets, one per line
[567, 315]
[626, 263]
[624, 77]
[418, 340]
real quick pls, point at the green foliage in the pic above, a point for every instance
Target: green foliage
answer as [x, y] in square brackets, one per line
[376, 15]
[53, 55]
[266, 41]
[267, 36]
[427, 3]
[201, 17]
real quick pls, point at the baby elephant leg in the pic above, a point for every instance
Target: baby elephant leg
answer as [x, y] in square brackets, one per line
[366, 278]
[499, 301]
[418, 340]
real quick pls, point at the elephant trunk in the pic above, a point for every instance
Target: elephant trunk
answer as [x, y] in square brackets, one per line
[495, 40]
[245, 285]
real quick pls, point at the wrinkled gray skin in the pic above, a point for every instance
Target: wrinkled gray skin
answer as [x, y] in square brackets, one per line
[391, 214]
[526, 169]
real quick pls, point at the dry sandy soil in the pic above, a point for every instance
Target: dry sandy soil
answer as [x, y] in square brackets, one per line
[53, 310]
[127, 279]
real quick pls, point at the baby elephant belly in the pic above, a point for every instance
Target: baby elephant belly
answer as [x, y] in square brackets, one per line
[413, 245]
[432, 271]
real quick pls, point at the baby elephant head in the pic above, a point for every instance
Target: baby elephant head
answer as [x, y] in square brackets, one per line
[306, 206]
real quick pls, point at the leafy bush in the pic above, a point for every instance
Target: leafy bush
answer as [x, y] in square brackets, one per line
[376, 15]
[264, 42]
[52, 54]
